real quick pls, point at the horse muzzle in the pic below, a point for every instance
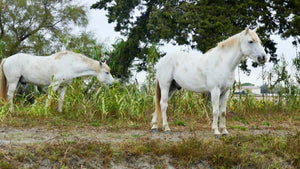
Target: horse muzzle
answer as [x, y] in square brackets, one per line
[262, 59]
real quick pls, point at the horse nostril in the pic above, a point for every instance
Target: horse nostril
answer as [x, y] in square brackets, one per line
[262, 59]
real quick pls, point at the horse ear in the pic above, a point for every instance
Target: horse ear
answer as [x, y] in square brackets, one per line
[102, 62]
[247, 30]
[255, 29]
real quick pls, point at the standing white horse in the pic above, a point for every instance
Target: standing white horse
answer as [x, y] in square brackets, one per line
[55, 70]
[213, 72]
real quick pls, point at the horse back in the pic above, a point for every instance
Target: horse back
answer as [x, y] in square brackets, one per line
[28, 68]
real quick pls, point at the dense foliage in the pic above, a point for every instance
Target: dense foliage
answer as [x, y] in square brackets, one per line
[200, 24]
[37, 26]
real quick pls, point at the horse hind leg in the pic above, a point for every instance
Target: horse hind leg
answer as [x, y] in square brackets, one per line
[164, 104]
[164, 95]
[10, 93]
[154, 122]
[154, 119]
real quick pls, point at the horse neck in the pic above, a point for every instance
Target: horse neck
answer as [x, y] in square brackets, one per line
[231, 55]
[90, 68]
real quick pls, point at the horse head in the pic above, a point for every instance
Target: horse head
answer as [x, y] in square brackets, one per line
[251, 46]
[104, 75]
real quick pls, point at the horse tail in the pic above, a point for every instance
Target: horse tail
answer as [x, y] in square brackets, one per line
[157, 103]
[3, 83]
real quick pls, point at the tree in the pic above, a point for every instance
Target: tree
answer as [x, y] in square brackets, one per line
[33, 25]
[200, 23]
[296, 63]
[121, 58]
[84, 43]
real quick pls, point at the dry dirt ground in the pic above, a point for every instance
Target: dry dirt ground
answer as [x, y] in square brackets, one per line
[12, 137]
[42, 134]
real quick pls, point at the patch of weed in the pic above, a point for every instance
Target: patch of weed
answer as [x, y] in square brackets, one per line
[239, 127]
[266, 124]
[95, 124]
[179, 122]
[242, 119]
[5, 164]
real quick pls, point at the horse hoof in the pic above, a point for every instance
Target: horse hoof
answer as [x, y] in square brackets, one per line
[154, 130]
[168, 132]
[225, 135]
[217, 136]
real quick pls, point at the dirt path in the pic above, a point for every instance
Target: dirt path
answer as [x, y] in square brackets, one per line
[13, 140]
[43, 134]
[39, 135]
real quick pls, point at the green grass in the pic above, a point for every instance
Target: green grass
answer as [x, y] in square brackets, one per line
[239, 127]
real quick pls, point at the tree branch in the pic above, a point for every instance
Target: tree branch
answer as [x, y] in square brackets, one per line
[1, 27]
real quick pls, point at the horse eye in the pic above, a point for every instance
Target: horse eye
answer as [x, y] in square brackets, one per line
[250, 41]
[107, 73]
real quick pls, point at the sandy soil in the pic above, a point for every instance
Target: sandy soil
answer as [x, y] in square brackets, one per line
[105, 134]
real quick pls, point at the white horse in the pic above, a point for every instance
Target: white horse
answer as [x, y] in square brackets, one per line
[55, 71]
[213, 72]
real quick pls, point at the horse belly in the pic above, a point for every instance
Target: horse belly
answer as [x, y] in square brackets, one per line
[39, 72]
[192, 83]
[37, 79]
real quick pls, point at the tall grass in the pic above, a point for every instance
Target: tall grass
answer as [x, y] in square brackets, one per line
[101, 104]
[96, 104]
[88, 101]
[82, 104]
[249, 104]
[107, 102]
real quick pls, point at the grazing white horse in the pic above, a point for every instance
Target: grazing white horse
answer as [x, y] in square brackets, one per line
[213, 72]
[55, 71]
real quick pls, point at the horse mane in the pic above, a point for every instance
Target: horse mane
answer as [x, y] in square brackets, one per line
[59, 55]
[84, 58]
[229, 42]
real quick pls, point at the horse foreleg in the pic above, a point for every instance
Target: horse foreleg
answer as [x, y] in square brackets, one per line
[35, 89]
[51, 91]
[223, 101]
[215, 98]
[62, 91]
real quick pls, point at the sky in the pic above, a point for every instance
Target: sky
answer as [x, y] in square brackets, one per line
[104, 32]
